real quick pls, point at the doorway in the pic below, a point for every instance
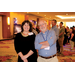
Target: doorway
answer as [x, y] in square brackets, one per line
[1, 37]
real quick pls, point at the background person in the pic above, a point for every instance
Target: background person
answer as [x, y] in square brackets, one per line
[34, 29]
[61, 37]
[74, 32]
[54, 27]
[72, 39]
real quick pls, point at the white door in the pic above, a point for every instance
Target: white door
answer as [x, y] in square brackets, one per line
[1, 27]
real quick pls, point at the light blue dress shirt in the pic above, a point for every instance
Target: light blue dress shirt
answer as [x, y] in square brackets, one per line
[51, 38]
[56, 31]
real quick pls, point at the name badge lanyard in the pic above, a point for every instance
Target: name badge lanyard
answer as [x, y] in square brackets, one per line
[46, 36]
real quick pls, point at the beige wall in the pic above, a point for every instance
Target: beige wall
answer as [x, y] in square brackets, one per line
[1, 27]
[32, 18]
[20, 17]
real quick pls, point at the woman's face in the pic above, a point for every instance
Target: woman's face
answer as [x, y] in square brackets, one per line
[26, 27]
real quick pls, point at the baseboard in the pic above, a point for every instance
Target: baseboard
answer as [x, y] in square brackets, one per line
[6, 39]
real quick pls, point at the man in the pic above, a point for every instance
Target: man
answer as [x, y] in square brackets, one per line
[45, 42]
[61, 37]
[54, 27]
[74, 32]
[34, 29]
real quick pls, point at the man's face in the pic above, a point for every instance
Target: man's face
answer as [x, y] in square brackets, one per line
[74, 28]
[60, 25]
[53, 23]
[43, 26]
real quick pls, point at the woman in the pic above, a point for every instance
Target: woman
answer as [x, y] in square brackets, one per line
[72, 38]
[68, 35]
[24, 44]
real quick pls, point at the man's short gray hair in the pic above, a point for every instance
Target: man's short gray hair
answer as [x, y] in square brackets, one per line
[43, 21]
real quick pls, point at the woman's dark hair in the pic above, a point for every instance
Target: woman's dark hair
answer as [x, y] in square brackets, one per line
[28, 22]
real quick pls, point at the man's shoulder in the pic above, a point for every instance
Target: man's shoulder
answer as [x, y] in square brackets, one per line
[38, 34]
[51, 31]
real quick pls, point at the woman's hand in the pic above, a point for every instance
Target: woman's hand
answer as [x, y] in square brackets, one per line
[24, 57]
[25, 60]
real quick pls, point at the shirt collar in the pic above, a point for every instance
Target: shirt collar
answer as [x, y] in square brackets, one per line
[54, 27]
[45, 32]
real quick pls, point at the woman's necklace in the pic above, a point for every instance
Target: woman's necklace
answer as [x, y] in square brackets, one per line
[25, 35]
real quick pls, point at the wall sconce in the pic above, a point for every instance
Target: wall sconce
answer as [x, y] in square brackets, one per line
[8, 20]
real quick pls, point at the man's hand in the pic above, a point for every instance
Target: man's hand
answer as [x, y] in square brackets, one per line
[60, 33]
[44, 44]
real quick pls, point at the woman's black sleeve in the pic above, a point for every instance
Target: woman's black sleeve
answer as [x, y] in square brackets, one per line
[17, 44]
[32, 46]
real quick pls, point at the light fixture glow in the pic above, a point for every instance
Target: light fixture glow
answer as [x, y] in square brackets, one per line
[8, 20]
[65, 17]
[44, 15]
[37, 12]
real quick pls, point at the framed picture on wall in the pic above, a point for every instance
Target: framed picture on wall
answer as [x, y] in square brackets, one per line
[17, 28]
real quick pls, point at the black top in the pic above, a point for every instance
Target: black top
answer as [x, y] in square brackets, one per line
[24, 45]
[73, 39]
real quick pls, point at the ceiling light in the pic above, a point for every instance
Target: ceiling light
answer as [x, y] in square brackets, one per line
[66, 14]
[65, 17]
[37, 12]
[44, 15]
[27, 12]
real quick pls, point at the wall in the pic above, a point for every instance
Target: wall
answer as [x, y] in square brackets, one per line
[32, 18]
[20, 17]
[5, 26]
[1, 27]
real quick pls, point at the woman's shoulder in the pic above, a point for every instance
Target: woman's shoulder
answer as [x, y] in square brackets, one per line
[31, 34]
[18, 34]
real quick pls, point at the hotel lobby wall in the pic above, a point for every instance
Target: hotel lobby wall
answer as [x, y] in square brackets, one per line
[33, 18]
[20, 17]
[5, 26]
[1, 37]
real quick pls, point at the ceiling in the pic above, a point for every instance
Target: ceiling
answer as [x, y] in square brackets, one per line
[52, 15]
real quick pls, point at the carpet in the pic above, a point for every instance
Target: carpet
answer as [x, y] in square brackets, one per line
[8, 53]
[68, 55]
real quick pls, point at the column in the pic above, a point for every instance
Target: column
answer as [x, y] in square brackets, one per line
[26, 17]
[37, 21]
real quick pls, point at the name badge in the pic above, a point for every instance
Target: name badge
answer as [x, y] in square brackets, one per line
[47, 48]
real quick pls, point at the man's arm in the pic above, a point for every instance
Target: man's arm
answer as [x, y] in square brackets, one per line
[37, 45]
[44, 44]
[40, 45]
[60, 33]
[49, 42]
[57, 34]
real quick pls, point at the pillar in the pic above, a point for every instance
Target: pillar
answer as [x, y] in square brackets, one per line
[26, 17]
[37, 21]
